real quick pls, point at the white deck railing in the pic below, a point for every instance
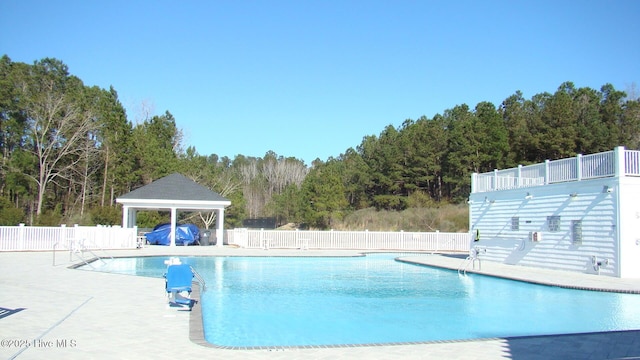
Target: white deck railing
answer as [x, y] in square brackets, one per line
[618, 162]
[359, 240]
[41, 238]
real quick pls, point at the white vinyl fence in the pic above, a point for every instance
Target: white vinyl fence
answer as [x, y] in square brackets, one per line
[41, 238]
[359, 240]
[38, 238]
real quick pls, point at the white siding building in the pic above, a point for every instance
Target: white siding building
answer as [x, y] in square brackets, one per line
[578, 214]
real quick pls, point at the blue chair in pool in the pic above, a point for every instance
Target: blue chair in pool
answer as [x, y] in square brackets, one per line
[178, 283]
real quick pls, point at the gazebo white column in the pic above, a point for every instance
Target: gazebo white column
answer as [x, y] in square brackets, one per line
[133, 213]
[219, 227]
[172, 234]
[125, 217]
[128, 217]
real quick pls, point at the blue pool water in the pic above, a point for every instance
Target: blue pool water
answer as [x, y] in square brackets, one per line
[276, 301]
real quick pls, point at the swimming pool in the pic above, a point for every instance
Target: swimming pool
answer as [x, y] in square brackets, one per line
[310, 301]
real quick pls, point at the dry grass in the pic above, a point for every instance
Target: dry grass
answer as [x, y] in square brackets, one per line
[446, 218]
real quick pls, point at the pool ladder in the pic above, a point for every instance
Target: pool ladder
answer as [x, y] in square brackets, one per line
[199, 278]
[462, 269]
[77, 247]
[474, 255]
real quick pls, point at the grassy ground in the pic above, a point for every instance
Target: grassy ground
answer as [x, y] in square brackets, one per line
[446, 218]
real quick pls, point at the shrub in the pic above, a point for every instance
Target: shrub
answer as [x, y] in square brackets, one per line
[106, 215]
[446, 218]
[9, 214]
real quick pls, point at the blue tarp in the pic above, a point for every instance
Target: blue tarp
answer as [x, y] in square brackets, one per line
[186, 234]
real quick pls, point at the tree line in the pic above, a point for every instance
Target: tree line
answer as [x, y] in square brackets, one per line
[69, 150]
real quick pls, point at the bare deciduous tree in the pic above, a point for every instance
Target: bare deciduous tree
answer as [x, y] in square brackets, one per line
[262, 179]
[58, 129]
[226, 185]
[252, 188]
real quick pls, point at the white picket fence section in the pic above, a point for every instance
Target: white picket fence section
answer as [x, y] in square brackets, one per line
[42, 238]
[39, 238]
[359, 240]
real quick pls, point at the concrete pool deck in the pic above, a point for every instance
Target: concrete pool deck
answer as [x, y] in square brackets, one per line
[63, 313]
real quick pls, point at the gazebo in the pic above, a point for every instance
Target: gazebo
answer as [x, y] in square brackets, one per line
[174, 192]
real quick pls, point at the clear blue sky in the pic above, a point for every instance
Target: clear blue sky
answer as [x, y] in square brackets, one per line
[310, 79]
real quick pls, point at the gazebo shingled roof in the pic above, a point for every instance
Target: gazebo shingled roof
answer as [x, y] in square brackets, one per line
[174, 187]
